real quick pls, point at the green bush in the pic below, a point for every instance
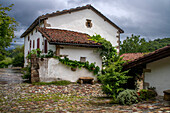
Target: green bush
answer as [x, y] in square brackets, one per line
[147, 94]
[18, 60]
[62, 82]
[128, 97]
[27, 73]
[6, 62]
[112, 77]
[2, 57]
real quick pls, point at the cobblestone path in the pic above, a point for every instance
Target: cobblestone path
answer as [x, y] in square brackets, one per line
[84, 98]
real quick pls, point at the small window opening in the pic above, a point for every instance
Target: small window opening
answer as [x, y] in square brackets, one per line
[33, 43]
[88, 23]
[82, 59]
[28, 37]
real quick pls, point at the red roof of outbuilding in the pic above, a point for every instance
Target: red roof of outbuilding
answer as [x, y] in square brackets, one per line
[150, 57]
[131, 56]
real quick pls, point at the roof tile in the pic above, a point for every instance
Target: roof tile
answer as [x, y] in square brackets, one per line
[66, 36]
[131, 56]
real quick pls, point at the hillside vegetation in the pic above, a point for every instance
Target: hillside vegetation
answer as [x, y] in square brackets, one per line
[135, 44]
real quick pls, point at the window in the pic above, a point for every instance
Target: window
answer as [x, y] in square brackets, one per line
[88, 23]
[33, 43]
[28, 37]
[82, 59]
[32, 33]
[38, 43]
[30, 44]
[36, 30]
[45, 46]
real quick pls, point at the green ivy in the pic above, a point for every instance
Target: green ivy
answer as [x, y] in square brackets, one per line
[74, 64]
[34, 51]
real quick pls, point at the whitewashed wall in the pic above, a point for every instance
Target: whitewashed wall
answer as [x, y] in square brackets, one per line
[34, 37]
[51, 69]
[159, 76]
[74, 53]
[76, 21]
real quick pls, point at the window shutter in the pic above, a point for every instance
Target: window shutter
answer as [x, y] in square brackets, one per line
[33, 43]
[38, 43]
[30, 44]
[45, 46]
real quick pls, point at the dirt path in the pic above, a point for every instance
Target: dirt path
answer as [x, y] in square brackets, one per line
[10, 76]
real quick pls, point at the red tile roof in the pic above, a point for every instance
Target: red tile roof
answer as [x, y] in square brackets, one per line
[58, 36]
[153, 56]
[57, 13]
[131, 56]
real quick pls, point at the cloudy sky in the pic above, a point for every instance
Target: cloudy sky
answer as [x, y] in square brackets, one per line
[148, 18]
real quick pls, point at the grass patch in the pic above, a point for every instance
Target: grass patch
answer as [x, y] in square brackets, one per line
[47, 97]
[62, 82]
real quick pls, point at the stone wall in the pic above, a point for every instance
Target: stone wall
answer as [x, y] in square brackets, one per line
[34, 69]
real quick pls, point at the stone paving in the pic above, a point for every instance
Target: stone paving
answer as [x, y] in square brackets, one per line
[84, 98]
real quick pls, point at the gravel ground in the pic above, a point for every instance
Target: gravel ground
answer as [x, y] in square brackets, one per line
[71, 98]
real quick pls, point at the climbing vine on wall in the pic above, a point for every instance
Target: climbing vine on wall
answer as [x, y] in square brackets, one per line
[74, 64]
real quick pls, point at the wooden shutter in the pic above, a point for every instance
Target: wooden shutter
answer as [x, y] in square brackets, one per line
[38, 43]
[30, 44]
[45, 48]
[33, 43]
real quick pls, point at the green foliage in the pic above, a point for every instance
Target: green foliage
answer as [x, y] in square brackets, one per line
[2, 57]
[50, 54]
[27, 72]
[18, 60]
[7, 27]
[62, 82]
[112, 76]
[128, 97]
[34, 51]
[6, 62]
[135, 44]
[13, 52]
[147, 94]
[74, 64]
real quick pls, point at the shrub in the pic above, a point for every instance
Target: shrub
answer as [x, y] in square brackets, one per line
[147, 94]
[27, 73]
[2, 57]
[6, 62]
[112, 77]
[18, 60]
[128, 97]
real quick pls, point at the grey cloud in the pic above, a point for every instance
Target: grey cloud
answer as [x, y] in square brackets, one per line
[148, 18]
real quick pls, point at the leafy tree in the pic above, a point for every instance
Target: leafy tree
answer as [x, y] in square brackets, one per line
[18, 60]
[7, 27]
[18, 56]
[14, 52]
[134, 44]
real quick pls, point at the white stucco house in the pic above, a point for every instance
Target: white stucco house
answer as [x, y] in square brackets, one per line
[67, 34]
[154, 67]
